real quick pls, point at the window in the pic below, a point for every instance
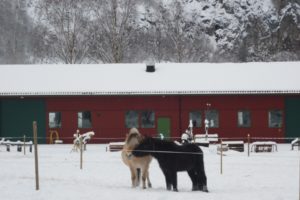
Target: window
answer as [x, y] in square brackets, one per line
[244, 118]
[84, 119]
[275, 118]
[131, 119]
[148, 119]
[196, 118]
[213, 117]
[54, 119]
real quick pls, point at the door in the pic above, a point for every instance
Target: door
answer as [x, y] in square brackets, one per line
[292, 117]
[17, 116]
[164, 126]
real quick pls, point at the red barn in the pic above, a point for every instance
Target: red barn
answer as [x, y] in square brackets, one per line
[261, 99]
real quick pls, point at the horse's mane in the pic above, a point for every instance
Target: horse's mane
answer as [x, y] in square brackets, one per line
[160, 141]
[167, 145]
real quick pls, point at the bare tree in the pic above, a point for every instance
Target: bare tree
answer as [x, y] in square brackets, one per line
[114, 28]
[68, 30]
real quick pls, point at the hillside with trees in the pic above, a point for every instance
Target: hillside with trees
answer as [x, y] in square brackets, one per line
[128, 31]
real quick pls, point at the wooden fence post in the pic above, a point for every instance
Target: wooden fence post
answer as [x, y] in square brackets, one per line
[221, 158]
[248, 145]
[36, 156]
[24, 145]
[81, 152]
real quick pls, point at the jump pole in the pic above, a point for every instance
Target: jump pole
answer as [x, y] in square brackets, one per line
[37, 187]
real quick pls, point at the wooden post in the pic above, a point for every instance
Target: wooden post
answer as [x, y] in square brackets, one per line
[36, 156]
[81, 152]
[24, 145]
[221, 154]
[248, 145]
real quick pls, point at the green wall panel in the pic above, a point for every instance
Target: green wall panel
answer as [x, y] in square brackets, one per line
[0, 118]
[17, 116]
[292, 116]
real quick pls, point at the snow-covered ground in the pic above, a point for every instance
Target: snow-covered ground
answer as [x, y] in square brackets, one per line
[262, 176]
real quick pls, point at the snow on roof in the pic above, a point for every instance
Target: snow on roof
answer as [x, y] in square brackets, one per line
[168, 79]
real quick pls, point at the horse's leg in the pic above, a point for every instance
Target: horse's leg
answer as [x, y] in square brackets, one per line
[142, 172]
[148, 179]
[194, 179]
[147, 174]
[144, 177]
[174, 181]
[202, 180]
[133, 176]
[168, 179]
[138, 176]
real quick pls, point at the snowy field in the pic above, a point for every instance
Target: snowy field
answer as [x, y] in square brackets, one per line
[262, 176]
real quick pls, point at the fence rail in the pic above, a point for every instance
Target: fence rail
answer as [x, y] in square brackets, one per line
[285, 139]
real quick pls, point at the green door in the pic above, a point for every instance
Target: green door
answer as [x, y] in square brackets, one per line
[17, 115]
[292, 117]
[164, 126]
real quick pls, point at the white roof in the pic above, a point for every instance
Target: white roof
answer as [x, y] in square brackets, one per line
[168, 79]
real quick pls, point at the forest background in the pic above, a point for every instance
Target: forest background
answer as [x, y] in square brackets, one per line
[148, 31]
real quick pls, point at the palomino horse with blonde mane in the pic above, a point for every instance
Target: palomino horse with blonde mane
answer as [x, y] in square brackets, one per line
[136, 165]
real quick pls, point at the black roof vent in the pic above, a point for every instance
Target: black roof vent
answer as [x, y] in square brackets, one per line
[150, 68]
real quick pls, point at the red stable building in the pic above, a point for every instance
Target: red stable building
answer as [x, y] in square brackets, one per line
[261, 99]
[171, 115]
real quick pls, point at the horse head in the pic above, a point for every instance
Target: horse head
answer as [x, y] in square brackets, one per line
[133, 137]
[146, 147]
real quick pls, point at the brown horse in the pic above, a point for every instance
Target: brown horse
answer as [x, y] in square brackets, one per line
[136, 164]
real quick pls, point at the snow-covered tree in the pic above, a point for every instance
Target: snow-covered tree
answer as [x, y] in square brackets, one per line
[116, 31]
[68, 32]
[14, 32]
[114, 26]
[175, 37]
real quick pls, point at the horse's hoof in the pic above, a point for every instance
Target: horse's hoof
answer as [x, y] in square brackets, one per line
[195, 188]
[204, 189]
[149, 186]
[175, 190]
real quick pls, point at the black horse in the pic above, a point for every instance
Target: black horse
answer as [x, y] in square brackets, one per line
[173, 158]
